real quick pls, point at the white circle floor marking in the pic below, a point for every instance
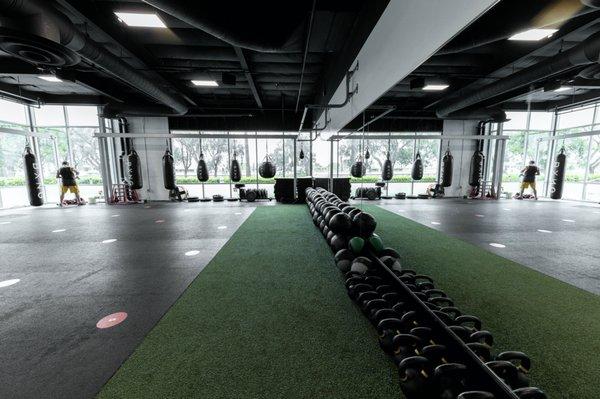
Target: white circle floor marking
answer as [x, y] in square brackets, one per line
[69, 210]
[496, 245]
[59, 230]
[5, 222]
[114, 216]
[506, 209]
[8, 283]
[594, 212]
[159, 221]
[192, 253]
[400, 210]
[544, 231]
[568, 220]
[109, 241]
[222, 227]
[435, 223]
[479, 215]
[238, 213]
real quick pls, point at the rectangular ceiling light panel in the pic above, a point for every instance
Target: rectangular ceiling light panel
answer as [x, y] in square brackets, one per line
[140, 20]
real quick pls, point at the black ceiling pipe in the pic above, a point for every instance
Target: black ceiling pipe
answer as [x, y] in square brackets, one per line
[42, 11]
[587, 52]
[264, 26]
[482, 114]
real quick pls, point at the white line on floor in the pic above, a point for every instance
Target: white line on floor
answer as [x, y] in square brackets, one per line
[5, 222]
[59, 230]
[222, 227]
[435, 223]
[192, 253]
[479, 215]
[568, 220]
[109, 241]
[7, 283]
[496, 245]
[544, 231]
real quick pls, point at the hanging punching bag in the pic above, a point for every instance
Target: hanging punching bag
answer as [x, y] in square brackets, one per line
[202, 171]
[32, 176]
[387, 172]
[135, 170]
[301, 156]
[476, 168]
[417, 169]
[447, 169]
[235, 173]
[367, 154]
[168, 165]
[558, 175]
[267, 169]
[358, 168]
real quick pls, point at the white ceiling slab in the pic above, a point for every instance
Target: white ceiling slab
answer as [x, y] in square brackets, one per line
[406, 35]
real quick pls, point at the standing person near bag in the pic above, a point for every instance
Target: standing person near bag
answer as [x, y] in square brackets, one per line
[68, 176]
[529, 173]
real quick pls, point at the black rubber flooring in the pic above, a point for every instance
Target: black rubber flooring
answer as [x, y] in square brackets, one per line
[69, 280]
[558, 238]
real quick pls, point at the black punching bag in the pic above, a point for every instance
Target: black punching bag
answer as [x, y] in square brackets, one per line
[447, 169]
[202, 171]
[558, 175]
[168, 165]
[476, 168]
[358, 168]
[387, 172]
[235, 173]
[32, 176]
[417, 169]
[267, 169]
[135, 170]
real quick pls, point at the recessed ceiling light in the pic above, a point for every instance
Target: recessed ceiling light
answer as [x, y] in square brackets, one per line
[562, 88]
[140, 20]
[205, 83]
[50, 78]
[435, 87]
[534, 34]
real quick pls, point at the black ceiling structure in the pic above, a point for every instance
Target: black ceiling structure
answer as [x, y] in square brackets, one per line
[271, 58]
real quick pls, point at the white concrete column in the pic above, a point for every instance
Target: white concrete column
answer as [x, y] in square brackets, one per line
[151, 152]
[462, 151]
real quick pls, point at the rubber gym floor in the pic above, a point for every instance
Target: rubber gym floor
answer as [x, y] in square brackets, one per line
[268, 316]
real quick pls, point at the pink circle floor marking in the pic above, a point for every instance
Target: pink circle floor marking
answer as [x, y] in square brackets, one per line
[111, 320]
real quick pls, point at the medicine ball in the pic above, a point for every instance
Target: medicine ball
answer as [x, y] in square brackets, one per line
[338, 243]
[391, 262]
[354, 212]
[267, 168]
[344, 265]
[365, 224]
[375, 243]
[343, 254]
[348, 209]
[360, 265]
[356, 245]
[329, 236]
[340, 223]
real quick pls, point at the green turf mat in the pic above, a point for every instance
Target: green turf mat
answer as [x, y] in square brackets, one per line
[558, 325]
[268, 318]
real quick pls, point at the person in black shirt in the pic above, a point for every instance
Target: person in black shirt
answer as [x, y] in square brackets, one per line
[68, 176]
[529, 173]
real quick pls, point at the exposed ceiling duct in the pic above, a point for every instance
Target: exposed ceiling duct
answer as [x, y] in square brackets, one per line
[264, 26]
[587, 52]
[591, 3]
[56, 42]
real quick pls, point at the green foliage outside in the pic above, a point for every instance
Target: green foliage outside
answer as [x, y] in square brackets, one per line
[97, 180]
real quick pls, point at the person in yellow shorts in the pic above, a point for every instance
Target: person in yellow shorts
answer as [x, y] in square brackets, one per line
[529, 173]
[68, 182]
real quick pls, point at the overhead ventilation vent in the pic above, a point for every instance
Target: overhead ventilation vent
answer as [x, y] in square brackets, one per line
[36, 50]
